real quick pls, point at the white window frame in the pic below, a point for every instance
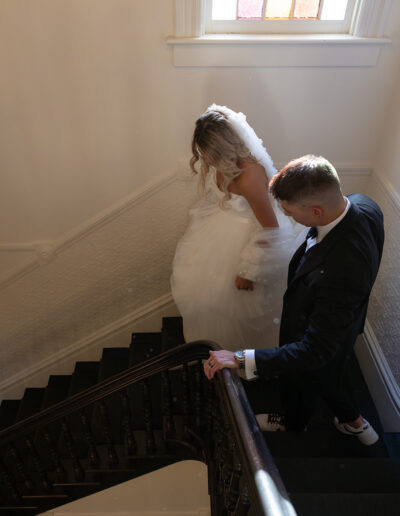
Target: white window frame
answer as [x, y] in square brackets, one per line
[361, 46]
[283, 26]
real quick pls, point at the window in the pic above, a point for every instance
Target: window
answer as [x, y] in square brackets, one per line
[260, 33]
[278, 16]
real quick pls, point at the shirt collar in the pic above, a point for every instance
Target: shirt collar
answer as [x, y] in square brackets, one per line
[324, 230]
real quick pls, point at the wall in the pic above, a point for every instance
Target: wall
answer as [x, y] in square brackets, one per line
[94, 115]
[177, 490]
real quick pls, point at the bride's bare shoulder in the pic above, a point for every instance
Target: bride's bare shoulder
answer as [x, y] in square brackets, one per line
[253, 174]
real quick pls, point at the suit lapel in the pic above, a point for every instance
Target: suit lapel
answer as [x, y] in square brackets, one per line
[316, 255]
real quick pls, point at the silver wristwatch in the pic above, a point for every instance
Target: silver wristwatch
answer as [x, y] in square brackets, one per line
[240, 357]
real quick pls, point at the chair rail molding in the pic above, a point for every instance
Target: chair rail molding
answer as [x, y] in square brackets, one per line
[42, 252]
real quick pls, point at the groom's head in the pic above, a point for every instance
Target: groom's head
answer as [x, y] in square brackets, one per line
[308, 189]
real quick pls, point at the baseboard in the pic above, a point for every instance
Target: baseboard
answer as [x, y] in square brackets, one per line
[380, 380]
[146, 319]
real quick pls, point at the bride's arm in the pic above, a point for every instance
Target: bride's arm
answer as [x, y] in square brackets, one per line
[252, 184]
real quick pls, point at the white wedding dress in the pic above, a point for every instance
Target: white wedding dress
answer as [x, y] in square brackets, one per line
[219, 244]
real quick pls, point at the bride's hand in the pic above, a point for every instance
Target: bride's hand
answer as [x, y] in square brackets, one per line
[243, 283]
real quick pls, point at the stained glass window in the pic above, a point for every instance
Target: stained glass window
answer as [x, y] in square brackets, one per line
[279, 9]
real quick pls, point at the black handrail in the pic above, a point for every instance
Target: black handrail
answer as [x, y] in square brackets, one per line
[267, 486]
[267, 492]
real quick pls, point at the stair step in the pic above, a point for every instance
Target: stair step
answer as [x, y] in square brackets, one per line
[113, 361]
[56, 390]
[144, 346]
[172, 332]
[84, 376]
[344, 475]
[328, 443]
[30, 403]
[8, 413]
[346, 504]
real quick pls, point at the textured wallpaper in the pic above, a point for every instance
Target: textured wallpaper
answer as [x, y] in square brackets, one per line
[384, 308]
[113, 271]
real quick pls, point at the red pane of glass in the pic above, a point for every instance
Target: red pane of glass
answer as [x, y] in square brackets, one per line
[306, 9]
[250, 9]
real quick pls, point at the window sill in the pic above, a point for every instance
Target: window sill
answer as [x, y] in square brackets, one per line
[276, 50]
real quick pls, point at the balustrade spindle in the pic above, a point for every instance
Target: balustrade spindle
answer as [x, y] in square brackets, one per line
[112, 456]
[129, 437]
[20, 467]
[185, 400]
[147, 416]
[55, 457]
[168, 418]
[243, 504]
[76, 465]
[93, 457]
[198, 394]
[209, 409]
[38, 464]
[11, 489]
[234, 487]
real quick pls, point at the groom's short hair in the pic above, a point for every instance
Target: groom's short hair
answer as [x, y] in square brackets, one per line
[307, 178]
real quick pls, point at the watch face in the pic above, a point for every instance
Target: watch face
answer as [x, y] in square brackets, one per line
[240, 353]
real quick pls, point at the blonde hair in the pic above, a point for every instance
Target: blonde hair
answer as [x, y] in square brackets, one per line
[215, 143]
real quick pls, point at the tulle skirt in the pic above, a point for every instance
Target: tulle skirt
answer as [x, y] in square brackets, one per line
[205, 266]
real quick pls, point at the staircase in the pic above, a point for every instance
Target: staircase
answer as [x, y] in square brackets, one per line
[144, 407]
[328, 473]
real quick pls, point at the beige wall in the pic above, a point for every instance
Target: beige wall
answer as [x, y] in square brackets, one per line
[177, 490]
[92, 107]
[94, 121]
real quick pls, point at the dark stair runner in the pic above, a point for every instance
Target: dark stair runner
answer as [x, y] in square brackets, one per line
[325, 472]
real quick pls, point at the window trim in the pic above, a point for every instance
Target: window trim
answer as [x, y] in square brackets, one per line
[291, 26]
[361, 47]
[368, 20]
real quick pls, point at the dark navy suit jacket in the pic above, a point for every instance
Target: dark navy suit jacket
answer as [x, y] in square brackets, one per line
[325, 304]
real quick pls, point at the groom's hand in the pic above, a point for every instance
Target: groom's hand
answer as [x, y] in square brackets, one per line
[243, 283]
[219, 360]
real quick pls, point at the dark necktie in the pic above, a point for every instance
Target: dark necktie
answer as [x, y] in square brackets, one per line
[312, 233]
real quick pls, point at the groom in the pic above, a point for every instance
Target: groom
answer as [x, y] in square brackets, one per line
[324, 307]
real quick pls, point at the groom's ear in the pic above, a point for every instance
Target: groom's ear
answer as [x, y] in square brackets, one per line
[317, 211]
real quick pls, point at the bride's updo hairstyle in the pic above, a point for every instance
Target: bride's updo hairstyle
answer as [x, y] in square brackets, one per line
[216, 144]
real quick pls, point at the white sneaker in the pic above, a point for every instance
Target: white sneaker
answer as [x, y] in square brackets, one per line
[271, 422]
[365, 433]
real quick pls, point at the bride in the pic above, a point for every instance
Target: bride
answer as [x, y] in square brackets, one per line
[229, 270]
